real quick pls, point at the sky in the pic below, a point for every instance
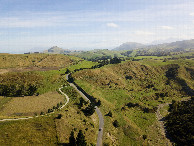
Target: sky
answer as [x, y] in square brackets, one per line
[35, 25]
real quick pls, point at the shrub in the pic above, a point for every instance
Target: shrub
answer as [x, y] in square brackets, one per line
[116, 124]
[80, 140]
[179, 122]
[59, 116]
[145, 137]
[72, 141]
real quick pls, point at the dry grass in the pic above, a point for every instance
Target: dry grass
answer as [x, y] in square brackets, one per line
[31, 104]
[34, 60]
[37, 131]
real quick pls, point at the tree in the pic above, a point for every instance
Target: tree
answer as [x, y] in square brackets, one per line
[115, 60]
[88, 111]
[80, 140]
[81, 102]
[72, 141]
[109, 114]
[98, 103]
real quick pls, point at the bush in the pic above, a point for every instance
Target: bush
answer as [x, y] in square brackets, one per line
[179, 123]
[116, 124]
[80, 140]
[98, 103]
[59, 116]
[145, 137]
[58, 105]
[88, 111]
[72, 141]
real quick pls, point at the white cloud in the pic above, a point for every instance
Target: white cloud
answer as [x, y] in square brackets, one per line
[112, 25]
[145, 33]
[167, 27]
[191, 14]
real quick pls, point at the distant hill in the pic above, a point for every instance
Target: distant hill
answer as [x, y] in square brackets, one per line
[57, 50]
[129, 46]
[173, 46]
[185, 44]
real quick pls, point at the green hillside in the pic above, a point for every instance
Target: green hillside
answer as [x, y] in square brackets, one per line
[131, 91]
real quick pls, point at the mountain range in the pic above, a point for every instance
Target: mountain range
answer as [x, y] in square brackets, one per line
[180, 45]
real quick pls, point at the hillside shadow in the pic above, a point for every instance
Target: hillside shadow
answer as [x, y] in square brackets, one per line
[172, 73]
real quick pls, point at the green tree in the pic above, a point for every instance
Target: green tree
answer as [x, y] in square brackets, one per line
[109, 114]
[80, 140]
[88, 111]
[72, 141]
[98, 103]
[81, 102]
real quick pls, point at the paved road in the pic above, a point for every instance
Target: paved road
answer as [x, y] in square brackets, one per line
[100, 116]
[67, 98]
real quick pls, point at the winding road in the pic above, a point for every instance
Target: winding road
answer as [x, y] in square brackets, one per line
[15, 119]
[100, 116]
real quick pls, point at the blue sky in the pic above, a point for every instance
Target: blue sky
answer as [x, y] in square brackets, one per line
[32, 25]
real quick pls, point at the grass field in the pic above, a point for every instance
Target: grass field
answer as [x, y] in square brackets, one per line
[82, 64]
[37, 131]
[28, 106]
[3, 101]
[35, 60]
